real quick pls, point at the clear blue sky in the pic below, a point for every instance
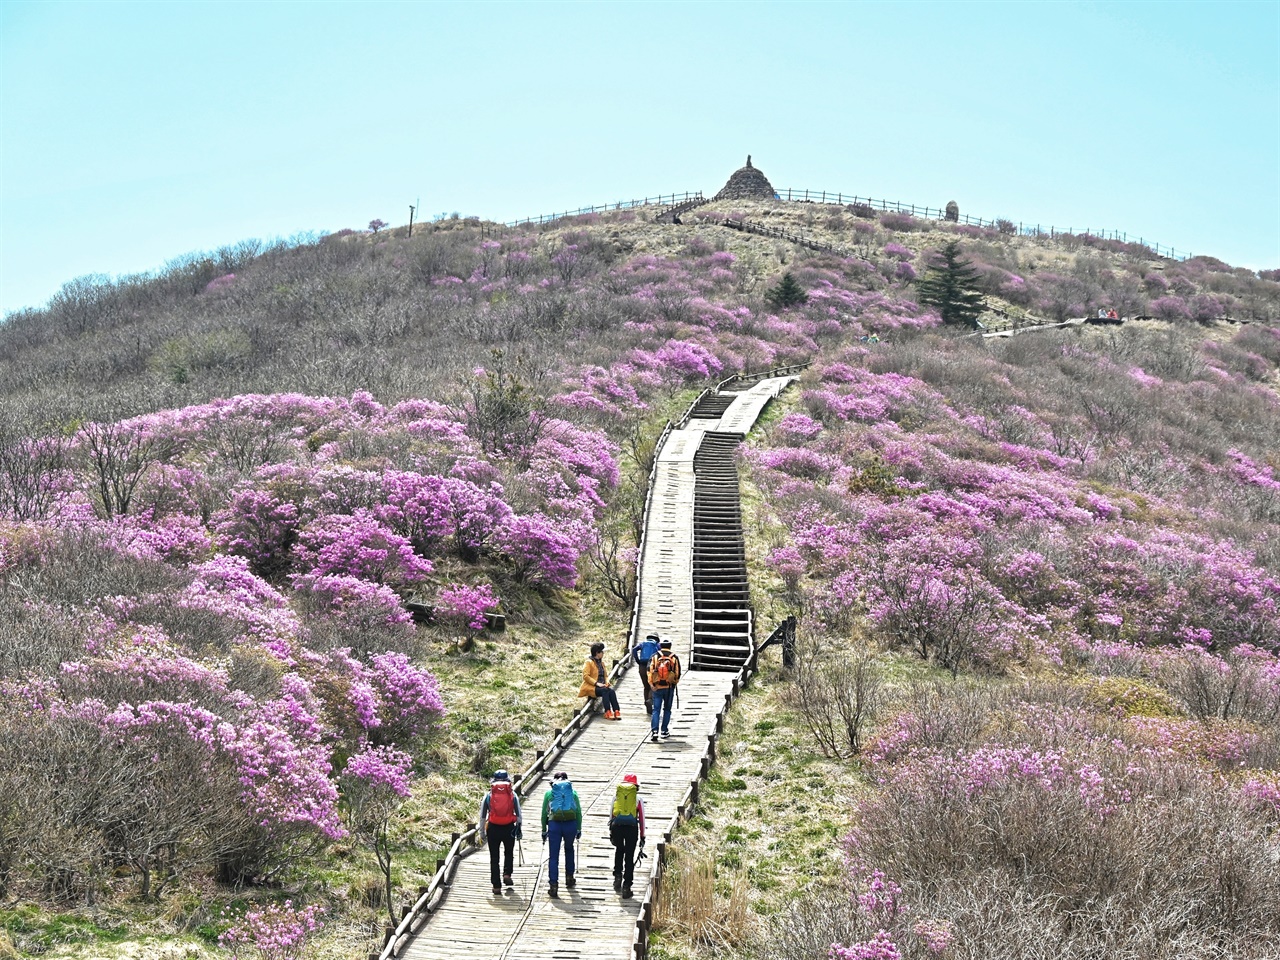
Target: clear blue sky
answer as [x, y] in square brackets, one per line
[133, 133]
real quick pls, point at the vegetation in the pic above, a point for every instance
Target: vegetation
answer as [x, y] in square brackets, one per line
[951, 285]
[220, 486]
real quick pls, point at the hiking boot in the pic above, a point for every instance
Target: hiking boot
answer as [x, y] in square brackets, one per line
[665, 735]
[497, 891]
[570, 882]
[608, 714]
[507, 881]
[553, 891]
[617, 883]
[617, 714]
[626, 893]
[654, 738]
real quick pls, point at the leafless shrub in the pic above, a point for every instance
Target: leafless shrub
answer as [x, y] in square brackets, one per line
[1234, 686]
[837, 692]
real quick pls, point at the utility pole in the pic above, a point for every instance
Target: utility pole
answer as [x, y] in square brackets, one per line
[411, 209]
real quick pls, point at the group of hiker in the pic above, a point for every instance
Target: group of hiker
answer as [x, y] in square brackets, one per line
[501, 816]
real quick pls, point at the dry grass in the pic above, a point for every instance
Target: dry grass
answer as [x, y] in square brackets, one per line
[691, 907]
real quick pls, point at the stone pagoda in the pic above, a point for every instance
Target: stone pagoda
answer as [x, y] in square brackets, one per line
[747, 183]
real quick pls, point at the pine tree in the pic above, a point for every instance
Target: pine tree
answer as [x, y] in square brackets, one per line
[787, 293]
[951, 285]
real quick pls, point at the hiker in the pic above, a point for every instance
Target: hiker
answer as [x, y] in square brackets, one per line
[499, 821]
[642, 653]
[626, 824]
[664, 674]
[562, 822]
[595, 683]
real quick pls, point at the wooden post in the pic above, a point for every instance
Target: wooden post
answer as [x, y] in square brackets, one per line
[411, 221]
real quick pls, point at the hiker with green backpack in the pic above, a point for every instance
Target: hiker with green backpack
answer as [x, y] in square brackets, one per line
[626, 825]
[664, 674]
[562, 823]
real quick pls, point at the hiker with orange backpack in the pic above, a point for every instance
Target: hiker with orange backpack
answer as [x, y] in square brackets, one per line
[626, 825]
[595, 683]
[664, 674]
[499, 821]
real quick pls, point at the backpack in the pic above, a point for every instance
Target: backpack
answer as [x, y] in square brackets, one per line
[664, 671]
[625, 802]
[502, 805]
[647, 651]
[562, 801]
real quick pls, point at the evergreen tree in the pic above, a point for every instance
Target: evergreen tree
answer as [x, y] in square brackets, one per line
[787, 293]
[951, 285]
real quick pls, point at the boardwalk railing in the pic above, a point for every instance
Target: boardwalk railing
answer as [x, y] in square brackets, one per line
[804, 195]
[787, 371]
[660, 200]
[633, 632]
[764, 230]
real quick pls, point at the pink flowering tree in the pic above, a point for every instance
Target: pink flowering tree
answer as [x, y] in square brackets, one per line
[374, 784]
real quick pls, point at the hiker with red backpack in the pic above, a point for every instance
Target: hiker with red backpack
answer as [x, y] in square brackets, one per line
[562, 822]
[499, 821]
[664, 674]
[626, 825]
[595, 683]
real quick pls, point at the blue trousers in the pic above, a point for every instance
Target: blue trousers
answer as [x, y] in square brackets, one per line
[558, 831]
[662, 700]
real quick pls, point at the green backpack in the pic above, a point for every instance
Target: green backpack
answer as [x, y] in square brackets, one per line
[625, 804]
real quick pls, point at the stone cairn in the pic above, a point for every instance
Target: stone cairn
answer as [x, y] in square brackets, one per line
[747, 183]
[953, 211]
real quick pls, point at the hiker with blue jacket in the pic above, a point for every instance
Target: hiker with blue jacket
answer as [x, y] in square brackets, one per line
[642, 653]
[626, 826]
[499, 822]
[562, 823]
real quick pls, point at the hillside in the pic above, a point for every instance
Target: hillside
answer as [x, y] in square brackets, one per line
[1037, 580]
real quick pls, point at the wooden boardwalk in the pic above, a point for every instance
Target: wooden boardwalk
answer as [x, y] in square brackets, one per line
[593, 920]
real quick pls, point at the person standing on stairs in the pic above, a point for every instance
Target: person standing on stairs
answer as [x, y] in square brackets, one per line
[664, 674]
[642, 653]
[499, 822]
[626, 825]
[562, 822]
[595, 683]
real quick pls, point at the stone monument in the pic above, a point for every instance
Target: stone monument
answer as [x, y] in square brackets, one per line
[747, 183]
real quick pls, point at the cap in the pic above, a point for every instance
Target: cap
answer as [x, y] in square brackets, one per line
[631, 778]
[665, 643]
[560, 775]
[652, 636]
[501, 775]
[597, 647]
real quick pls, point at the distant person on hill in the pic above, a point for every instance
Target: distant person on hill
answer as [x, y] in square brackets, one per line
[1112, 315]
[642, 653]
[562, 822]
[499, 821]
[626, 825]
[664, 674]
[595, 683]
[1102, 313]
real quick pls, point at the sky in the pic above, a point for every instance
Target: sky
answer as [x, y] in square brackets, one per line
[134, 133]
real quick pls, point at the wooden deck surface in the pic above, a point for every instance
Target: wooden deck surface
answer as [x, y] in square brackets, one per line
[593, 921]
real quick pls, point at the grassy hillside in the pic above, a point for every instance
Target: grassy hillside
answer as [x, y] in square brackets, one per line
[1041, 574]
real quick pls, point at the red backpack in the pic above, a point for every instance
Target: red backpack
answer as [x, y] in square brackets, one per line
[502, 805]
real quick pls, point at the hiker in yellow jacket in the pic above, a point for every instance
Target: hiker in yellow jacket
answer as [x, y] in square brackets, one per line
[595, 683]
